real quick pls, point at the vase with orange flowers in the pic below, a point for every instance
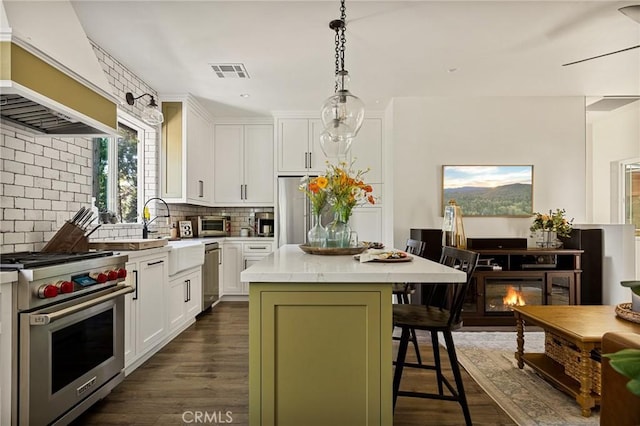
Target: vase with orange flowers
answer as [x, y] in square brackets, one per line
[316, 190]
[346, 189]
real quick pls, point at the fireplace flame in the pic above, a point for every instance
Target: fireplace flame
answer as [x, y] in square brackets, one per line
[513, 298]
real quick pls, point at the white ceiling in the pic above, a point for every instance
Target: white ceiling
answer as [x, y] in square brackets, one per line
[393, 49]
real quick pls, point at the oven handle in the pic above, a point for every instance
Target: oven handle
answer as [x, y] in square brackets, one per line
[44, 319]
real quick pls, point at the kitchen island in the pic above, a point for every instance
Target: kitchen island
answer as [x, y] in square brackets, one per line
[320, 347]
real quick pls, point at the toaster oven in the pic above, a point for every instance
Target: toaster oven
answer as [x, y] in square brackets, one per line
[210, 226]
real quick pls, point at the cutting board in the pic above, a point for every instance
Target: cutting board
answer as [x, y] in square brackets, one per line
[129, 244]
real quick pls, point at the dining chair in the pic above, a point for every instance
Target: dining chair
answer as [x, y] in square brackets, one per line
[440, 313]
[403, 291]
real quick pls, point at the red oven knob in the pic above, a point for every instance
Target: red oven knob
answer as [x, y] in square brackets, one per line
[112, 275]
[99, 277]
[47, 290]
[64, 287]
[122, 273]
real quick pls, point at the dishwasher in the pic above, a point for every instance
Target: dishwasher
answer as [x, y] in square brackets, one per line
[210, 275]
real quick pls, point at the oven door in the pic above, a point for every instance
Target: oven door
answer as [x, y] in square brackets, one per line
[68, 352]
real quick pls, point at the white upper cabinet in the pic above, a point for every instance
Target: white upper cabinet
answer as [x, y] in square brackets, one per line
[299, 146]
[243, 164]
[186, 152]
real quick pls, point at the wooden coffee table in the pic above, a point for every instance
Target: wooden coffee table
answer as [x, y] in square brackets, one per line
[583, 327]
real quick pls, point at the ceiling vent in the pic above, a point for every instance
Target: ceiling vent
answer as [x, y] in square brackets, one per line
[230, 70]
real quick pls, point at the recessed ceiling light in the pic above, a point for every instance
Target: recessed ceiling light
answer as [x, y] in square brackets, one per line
[244, 95]
[452, 70]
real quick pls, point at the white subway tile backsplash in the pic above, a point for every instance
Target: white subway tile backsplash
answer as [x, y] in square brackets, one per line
[51, 195]
[7, 153]
[14, 143]
[42, 225]
[13, 167]
[33, 215]
[59, 145]
[58, 165]
[13, 190]
[59, 185]
[6, 177]
[34, 193]
[42, 204]
[24, 226]
[67, 196]
[24, 157]
[7, 226]
[33, 170]
[24, 180]
[51, 174]
[67, 157]
[24, 203]
[59, 205]
[44, 183]
[14, 238]
[34, 149]
[51, 153]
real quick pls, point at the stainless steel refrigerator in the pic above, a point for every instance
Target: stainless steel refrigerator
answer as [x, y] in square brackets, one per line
[294, 212]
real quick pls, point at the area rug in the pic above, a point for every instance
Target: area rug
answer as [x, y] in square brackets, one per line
[489, 358]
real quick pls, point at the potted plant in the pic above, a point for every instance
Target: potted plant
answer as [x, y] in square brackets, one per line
[635, 294]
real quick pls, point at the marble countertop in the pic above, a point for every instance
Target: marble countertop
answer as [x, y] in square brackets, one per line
[290, 264]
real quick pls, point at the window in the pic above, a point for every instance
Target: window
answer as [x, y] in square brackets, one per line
[631, 179]
[117, 171]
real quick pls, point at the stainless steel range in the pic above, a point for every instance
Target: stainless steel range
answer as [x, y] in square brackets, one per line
[70, 332]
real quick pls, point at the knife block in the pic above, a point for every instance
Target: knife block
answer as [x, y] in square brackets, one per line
[69, 239]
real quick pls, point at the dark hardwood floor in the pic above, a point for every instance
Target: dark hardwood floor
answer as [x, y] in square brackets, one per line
[205, 372]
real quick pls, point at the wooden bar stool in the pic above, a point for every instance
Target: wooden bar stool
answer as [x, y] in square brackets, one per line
[440, 312]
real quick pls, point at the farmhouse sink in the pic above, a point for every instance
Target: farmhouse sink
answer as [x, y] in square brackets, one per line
[184, 255]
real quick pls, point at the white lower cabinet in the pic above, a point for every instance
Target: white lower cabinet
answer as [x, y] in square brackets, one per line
[185, 298]
[236, 257]
[145, 309]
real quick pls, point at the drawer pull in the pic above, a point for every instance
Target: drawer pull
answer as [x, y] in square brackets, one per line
[257, 247]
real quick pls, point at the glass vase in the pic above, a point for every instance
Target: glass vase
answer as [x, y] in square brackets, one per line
[317, 234]
[338, 231]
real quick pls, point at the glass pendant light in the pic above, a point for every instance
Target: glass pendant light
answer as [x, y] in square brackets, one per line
[343, 113]
[151, 114]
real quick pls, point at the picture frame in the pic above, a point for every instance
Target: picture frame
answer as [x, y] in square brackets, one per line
[489, 190]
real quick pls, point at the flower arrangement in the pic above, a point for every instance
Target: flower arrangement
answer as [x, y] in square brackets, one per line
[347, 189]
[554, 221]
[316, 190]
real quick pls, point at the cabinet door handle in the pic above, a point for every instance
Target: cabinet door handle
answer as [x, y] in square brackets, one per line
[245, 191]
[245, 264]
[306, 161]
[200, 188]
[189, 289]
[155, 263]
[186, 291]
[135, 295]
[310, 160]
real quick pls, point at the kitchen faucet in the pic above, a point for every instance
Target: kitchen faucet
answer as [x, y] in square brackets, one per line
[146, 216]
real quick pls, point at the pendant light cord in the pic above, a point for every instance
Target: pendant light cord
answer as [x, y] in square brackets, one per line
[340, 41]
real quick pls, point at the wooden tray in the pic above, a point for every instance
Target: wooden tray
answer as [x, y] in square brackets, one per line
[332, 251]
[128, 245]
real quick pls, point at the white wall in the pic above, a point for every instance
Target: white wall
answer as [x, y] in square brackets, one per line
[548, 132]
[614, 137]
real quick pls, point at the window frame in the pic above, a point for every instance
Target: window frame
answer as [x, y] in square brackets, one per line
[112, 154]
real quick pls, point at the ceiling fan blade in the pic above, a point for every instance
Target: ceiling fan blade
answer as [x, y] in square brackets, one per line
[600, 56]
